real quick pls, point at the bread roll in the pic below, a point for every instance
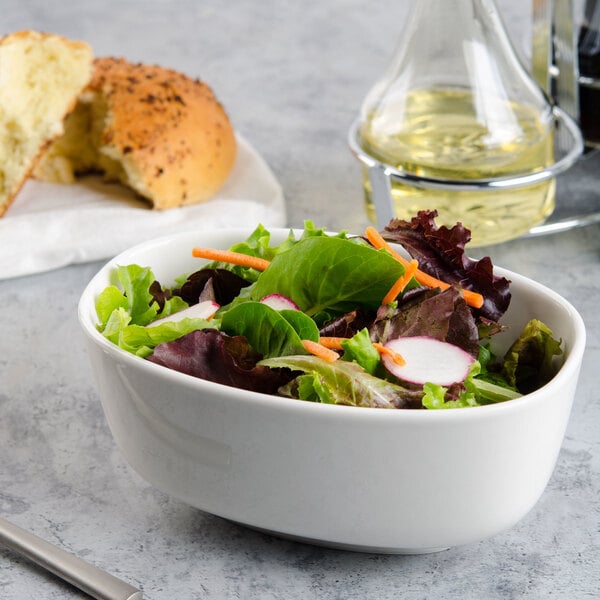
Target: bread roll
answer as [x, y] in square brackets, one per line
[155, 130]
[41, 76]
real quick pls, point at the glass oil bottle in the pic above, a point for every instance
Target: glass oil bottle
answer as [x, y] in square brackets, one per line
[457, 104]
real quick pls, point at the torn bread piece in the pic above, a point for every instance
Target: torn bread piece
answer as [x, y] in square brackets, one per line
[41, 77]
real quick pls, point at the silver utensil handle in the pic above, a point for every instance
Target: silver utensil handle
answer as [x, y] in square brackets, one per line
[91, 580]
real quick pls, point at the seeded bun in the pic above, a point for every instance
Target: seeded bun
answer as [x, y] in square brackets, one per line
[153, 129]
[41, 76]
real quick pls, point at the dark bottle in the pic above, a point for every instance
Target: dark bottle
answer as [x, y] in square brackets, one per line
[589, 72]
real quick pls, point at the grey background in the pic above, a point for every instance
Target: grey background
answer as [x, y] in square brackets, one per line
[292, 75]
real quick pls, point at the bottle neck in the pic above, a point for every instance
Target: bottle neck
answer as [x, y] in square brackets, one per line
[459, 43]
[458, 47]
[445, 15]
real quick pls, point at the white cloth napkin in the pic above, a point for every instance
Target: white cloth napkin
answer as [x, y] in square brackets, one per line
[53, 225]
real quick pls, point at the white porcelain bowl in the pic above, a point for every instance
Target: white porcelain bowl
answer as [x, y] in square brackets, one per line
[358, 478]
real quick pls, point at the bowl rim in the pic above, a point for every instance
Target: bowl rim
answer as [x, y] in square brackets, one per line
[86, 307]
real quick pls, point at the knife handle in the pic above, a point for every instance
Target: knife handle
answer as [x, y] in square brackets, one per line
[88, 578]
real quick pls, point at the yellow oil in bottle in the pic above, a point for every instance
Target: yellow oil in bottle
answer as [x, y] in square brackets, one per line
[451, 134]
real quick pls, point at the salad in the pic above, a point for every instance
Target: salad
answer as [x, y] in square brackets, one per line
[336, 319]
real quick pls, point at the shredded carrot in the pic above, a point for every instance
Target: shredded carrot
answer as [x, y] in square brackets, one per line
[401, 282]
[320, 350]
[335, 343]
[236, 258]
[471, 298]
[395, 356]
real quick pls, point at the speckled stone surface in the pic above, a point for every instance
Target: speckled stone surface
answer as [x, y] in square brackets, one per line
[292, 75]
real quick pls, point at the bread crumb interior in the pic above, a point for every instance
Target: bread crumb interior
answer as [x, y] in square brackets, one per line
[39, 77]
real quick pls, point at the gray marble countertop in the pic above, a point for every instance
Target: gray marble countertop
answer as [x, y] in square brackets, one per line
[292, 75]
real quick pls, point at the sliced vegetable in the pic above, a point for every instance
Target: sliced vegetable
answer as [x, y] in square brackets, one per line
[472, 298]
[228, 256]
[432, 313]
[279, 302]
[352, 319]
[474, 391]
[441, 253]
[342, 382]
[391, 355]
[203, 310]
[335, 343]
[427, 360]
[401, 283]
[317, 349]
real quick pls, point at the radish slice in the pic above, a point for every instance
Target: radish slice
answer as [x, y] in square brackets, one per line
[428, 360]
[279, 302]
[202, 310]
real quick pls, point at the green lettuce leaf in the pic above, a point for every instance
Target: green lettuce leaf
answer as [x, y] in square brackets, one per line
[359, 349]
[434, 397]
[118, 319]
[485, 387]
[324, 274]
[489, 370]
[257, 244]
[475, 392]
[341, 382]
[125, 312]
[269, 331]
[528, 363]
[134, 297]
[303, 325]
[309, 387]
[141, 340]
[110, 299]
[136, 282]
